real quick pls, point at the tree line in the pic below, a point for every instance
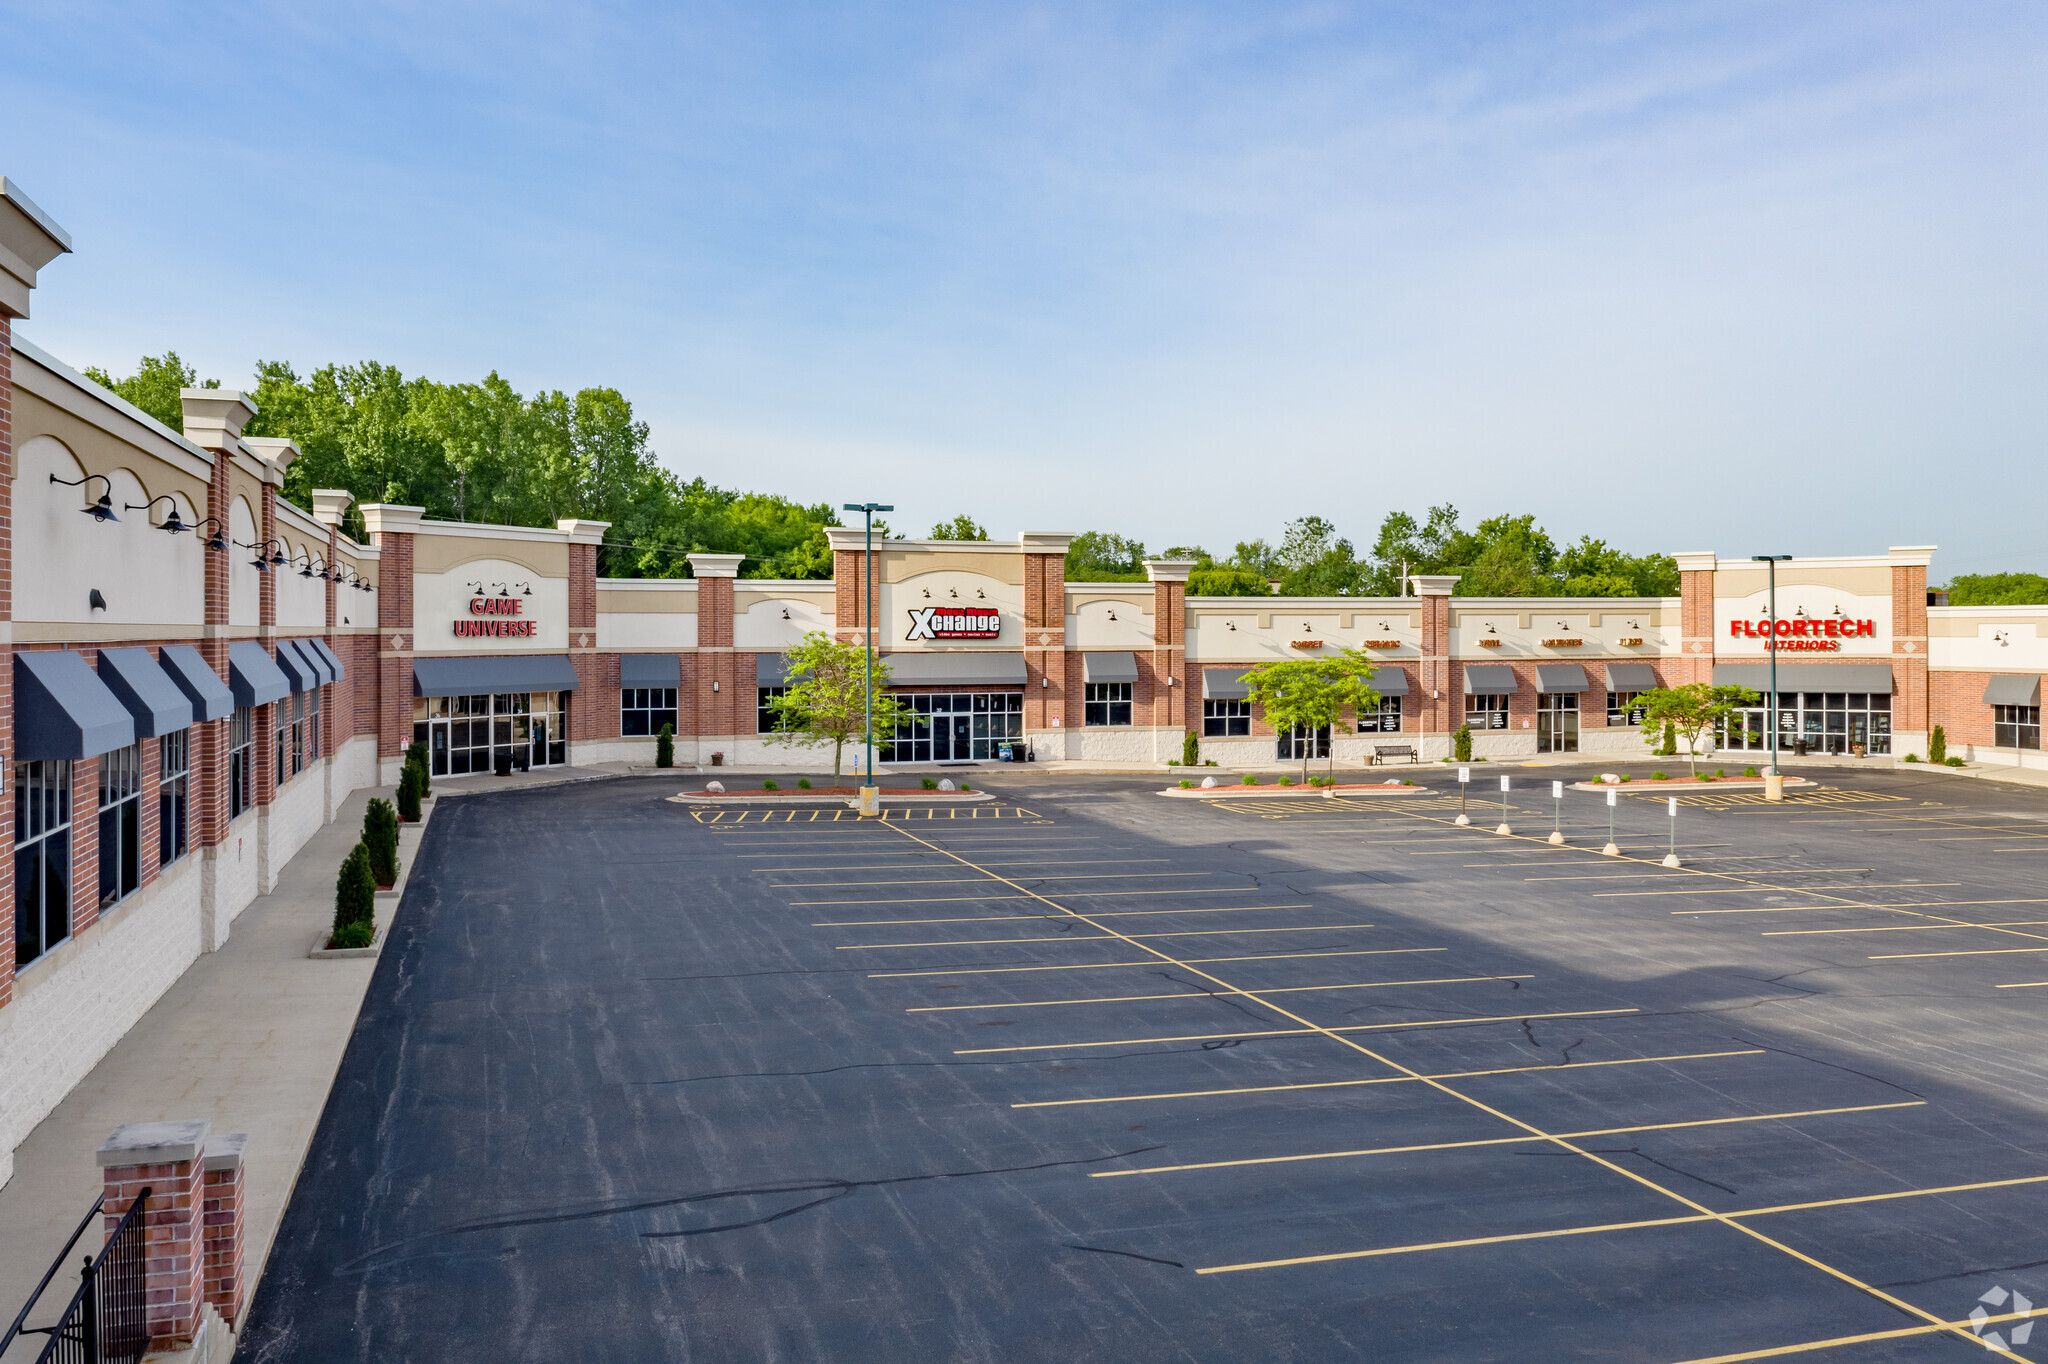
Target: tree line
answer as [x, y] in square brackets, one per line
[485, 452]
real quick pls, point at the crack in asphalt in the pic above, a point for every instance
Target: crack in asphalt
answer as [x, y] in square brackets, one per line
[1127, 1254]
[832, 1190]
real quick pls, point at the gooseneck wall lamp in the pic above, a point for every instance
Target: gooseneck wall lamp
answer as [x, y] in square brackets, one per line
[218, 540]
[102, 510]
[172, 524]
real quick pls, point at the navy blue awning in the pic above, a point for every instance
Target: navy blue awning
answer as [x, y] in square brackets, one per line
[208, 696]
[327, 656]
[302, 675]
[146, 690]
[252, 677]
[1389, 680]
[480, 673]
[650, 670]
[63, 710]
[322, 674]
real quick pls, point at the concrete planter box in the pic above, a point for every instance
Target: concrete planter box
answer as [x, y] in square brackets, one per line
[322, 952]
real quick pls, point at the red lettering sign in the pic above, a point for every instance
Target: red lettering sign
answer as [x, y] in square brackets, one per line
[495, 629]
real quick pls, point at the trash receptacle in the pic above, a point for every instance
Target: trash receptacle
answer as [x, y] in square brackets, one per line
[501, 762]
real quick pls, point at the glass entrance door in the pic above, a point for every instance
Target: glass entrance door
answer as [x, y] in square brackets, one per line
[508, 731]
[1557, 722]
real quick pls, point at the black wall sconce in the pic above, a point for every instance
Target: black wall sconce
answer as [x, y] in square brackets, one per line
[217, 542]
[172, 524]
[95, 601]
[102, 510]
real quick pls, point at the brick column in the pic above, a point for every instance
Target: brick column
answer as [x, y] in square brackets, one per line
[391, 531]
[1909, 638]
[210, 738]
[151, 836]
[1170, 709]
[223, 1213]
[85, 844]
[716, 709]
[1696, 622]
[1045, 633]
[164, 1157]
[330, 505]
[1439, 713]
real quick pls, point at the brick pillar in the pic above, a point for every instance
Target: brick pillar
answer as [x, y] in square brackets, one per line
[391, 531]
[849, 588]
[6, 649]
[1696, 622]
[85, 844]
[1437, 705]
[594, 712]
[223, 1214]
[1909, 639]
[716, 665]
[165, 1158]
[1045, 638]
[151, 836]
[1170, 706]
[210, 738]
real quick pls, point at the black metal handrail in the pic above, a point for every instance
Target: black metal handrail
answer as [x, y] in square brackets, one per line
[107, 1319]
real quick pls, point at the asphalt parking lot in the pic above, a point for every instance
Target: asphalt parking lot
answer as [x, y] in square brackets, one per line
[1091, 1074]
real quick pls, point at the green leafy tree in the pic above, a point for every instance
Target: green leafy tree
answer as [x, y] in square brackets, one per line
[961, 527]
[1222, 580]
[355, 901]
[1688, 712]
[1997, 589]
[380, 840]
[1314, 561]
[826, 699]
[1305, 694]
[1100, 556]
[154, 386]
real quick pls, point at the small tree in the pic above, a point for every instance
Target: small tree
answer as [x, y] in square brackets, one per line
[409, 783]
[416, 756]
[1308, 694]
[665, 746]
[1937, 745]
[1668, 748]
[1461, 744]
[1190, 749]
[826, 699]
[380, 839]
[1690, 711]
[355, 901]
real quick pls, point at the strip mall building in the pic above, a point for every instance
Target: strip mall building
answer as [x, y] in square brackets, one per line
[179, 720]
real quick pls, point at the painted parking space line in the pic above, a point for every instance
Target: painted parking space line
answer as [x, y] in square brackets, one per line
[1150, 961]
[1520, 1138]
[1728, 1217]
[1026, 895]
[1008, 918]
[1971, 1325]
[965, 880]
[1902, 928]
[1870, 904]
[1292, 1032]
[1387, 1079]
[1209, 994]
[1106, 937]
[1777, 890]
[1974, 952]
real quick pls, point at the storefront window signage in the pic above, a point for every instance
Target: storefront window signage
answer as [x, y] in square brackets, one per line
[490, 619]
[954, 622]
[1804, 634]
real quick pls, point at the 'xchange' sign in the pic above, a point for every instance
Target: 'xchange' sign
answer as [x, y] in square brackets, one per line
[953, 622]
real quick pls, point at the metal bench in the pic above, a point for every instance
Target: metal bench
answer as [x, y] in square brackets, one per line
[1382, 752]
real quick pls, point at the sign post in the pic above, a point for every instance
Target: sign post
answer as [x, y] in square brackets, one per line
[1504, 829]
[1464, 779]
[1557, 812]
[1774, 781]
[870, 794]
[1671, 858]
[1611, 850]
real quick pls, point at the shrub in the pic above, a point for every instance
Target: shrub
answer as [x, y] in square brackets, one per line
[1953, 762]
[803, 783]
[1670, 748]
[1627, 777]
[965, 787]
[352, 935]
[410, 782]
[416, 756]
[1287, 781]
[1190, 749]
[1937, 745]
[1911, 758]
[1461, 744]
[665, 746]
[1659, 776]
[1186, 785]
[1706, 776]
[929, 784]
[1209, 763]
[1720, 771]
[355, 894]
[769, 786]
[1249, 780]
[1406, 782]
[380, 838]
[1749, 772]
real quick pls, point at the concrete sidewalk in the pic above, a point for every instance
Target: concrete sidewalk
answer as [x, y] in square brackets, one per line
[249, 1038]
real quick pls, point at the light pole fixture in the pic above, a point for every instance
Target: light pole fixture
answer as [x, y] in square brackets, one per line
[867, 511]
[102, 510]
[172, 524]
[1770, 563]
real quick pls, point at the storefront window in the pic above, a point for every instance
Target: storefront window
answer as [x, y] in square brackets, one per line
[1385, 720]
[766, 719]
[644, 710]
[173, 796]
[42, 858]
[511, 731]
[1622, 709]
[1105, 703]
[2016, 726]
[1299, 743]
[956, 726]
[1814, 722]
[241, 747]
[1486, 712]
[1226, 719]
[120, 823]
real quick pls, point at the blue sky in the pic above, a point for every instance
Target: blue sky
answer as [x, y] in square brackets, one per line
[1741, 277]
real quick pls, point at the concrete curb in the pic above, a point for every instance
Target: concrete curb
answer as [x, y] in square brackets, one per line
[322, 952]
[1736, 783]
[1254, 792]
[770, 800]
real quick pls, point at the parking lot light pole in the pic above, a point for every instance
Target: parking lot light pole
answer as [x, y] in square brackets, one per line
[1671, 858]
[870, 794]
[1612, 849]
[1774, 781]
